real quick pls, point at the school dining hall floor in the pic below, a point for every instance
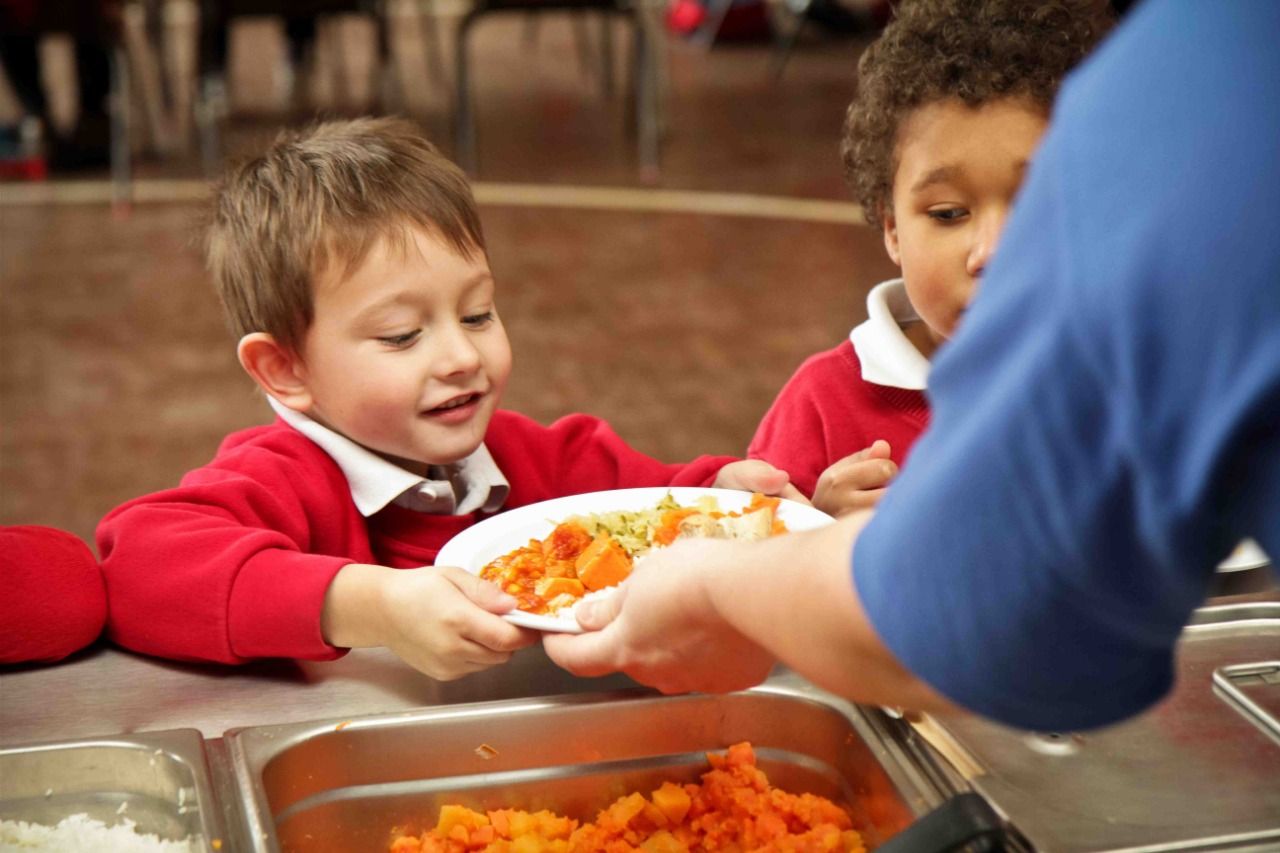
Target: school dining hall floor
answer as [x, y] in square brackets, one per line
[674, 309]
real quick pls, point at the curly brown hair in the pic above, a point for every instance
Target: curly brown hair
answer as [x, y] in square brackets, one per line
[974, 50]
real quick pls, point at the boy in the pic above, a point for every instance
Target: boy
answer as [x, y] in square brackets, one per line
[352, 265]
[952, 99]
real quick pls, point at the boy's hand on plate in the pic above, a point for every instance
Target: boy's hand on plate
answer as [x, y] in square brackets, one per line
[661, 629]
[855, 482]
[441, 620]
[756, 475]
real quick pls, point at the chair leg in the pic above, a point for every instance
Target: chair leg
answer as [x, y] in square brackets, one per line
[121, 178]
[210, 110]
[784, 50]
[647, 131]
[706, 34]
[606, 54]
[430, 30]
[464, 120]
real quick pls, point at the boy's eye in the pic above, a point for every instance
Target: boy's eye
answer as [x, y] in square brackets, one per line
[948, 214]
[478, 320]
[400, 340]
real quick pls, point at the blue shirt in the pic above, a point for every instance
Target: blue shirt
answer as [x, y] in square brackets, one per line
[1106, 424]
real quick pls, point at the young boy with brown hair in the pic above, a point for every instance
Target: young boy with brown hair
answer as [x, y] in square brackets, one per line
[952, 100]
[352, 266]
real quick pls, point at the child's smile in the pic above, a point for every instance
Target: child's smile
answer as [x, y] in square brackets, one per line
[457, 410]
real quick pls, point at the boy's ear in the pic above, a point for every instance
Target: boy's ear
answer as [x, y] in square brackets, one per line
[276, 369]
[891, 235]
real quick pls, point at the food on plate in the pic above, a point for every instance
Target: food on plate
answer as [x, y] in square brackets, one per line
[588, 553]
[734, 808]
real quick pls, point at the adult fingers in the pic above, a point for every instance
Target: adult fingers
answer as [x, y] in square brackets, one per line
[594, 615]
[586, 655]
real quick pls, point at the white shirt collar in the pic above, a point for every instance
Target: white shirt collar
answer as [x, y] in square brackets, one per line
[471, 484]
[888, 358]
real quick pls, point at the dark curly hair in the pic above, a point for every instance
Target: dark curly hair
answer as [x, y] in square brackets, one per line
[974, 50]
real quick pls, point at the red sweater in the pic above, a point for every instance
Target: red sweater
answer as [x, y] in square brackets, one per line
[233, 564]
[827, 411]
[54, 602]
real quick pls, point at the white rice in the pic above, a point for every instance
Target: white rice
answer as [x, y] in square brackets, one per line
[80, 832]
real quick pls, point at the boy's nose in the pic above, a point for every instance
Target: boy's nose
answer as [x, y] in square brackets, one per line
[986, 237]
[456, 354]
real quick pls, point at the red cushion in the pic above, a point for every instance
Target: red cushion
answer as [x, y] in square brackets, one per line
[53, 600]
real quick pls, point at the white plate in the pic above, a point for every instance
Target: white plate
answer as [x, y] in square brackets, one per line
[1247, 555]
[475, 547]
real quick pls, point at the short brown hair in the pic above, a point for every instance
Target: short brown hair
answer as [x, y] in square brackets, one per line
[972, 50]
[320, 197]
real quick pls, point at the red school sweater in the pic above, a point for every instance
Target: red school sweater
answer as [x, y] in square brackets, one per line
[233, 564]
[827, 411]
[53, 602]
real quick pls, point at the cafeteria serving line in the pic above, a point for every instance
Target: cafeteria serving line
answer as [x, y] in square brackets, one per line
[124, 380]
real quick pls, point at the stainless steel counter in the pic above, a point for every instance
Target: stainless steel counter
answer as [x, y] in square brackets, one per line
[107, 691]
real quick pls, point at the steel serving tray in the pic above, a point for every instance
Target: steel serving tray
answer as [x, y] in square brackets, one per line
[344, 785]
[159, 780]
[1199, 771]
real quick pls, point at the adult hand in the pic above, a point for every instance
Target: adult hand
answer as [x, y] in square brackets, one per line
[662, 628]
[441, 620]
[856, 482]
[756, 475]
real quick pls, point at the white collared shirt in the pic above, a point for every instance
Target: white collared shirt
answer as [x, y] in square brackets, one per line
[471, 484]
[888, 358]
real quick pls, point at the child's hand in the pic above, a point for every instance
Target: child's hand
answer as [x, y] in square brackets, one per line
[756, 475]
[856, 481]
[440, 620]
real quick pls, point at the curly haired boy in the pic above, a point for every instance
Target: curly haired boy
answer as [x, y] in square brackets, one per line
[952, 100]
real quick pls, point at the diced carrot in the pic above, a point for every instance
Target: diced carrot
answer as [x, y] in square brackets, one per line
[498, 820]
[603, 564]
[549, 588]
[455, 816]
[672, 801]
[663, 842]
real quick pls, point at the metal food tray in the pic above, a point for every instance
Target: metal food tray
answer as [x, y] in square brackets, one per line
[159, 780]
[344, 785]
[1198, 771]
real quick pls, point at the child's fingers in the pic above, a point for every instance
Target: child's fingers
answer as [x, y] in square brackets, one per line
[859, 474]
[483, 593]
[791, 493]
[878, 449]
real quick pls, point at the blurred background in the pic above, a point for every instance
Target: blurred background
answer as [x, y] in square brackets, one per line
[659, 182]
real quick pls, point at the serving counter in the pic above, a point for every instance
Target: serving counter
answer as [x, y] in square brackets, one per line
[250, 756]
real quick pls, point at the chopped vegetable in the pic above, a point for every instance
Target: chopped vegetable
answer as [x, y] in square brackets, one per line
[733, 809]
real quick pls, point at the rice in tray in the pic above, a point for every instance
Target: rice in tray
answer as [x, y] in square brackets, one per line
[80, 832]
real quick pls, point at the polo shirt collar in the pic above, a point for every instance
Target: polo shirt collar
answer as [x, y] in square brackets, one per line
[887, 357]
[471, 484]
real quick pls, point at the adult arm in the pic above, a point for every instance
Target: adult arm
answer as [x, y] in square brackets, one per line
[714, 615]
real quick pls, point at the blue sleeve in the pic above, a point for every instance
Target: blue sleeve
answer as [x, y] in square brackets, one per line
[1106, 425]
